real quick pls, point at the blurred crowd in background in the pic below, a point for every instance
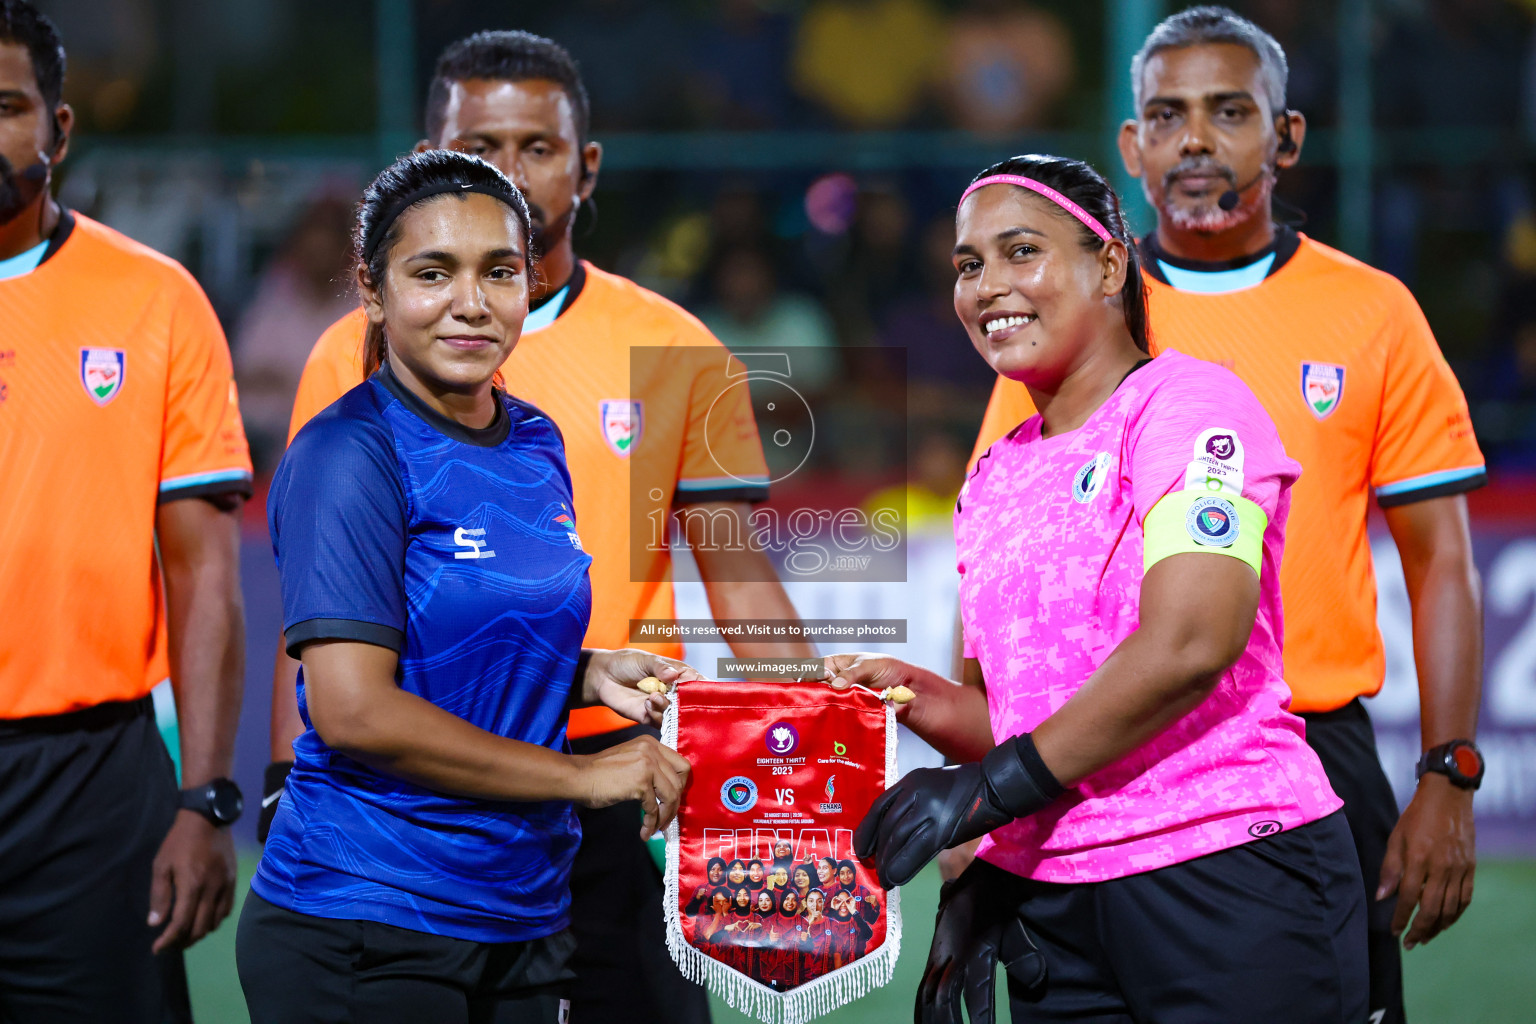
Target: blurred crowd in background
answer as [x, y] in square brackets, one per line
[235, 136]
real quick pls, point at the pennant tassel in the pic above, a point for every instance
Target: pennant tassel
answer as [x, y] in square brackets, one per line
[804, 1002]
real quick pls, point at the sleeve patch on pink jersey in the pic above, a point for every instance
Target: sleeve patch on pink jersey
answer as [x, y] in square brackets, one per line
[1217, 465]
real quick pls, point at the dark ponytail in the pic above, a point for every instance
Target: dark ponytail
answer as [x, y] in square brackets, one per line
[1087, 188]
[410, 180]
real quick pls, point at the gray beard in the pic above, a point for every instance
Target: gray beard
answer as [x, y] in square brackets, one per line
[1211, 219]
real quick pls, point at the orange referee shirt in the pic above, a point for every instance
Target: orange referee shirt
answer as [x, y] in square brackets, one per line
[116, 394]
[644, 396]
[1342, 358]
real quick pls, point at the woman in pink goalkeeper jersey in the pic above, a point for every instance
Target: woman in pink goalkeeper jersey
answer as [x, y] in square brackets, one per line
[1162, 845]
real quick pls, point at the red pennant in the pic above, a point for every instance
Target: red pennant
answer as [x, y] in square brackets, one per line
[766, 902]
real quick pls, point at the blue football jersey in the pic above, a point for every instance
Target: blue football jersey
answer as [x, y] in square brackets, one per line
[395, 526]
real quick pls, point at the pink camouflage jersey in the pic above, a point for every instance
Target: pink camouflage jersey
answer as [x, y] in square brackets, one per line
[1049, 541]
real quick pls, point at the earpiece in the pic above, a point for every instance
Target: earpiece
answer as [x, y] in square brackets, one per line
[1229, 199]
[1287, 144]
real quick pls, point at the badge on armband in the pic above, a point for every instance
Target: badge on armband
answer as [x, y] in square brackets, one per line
[1212, 522]
[1195, 519]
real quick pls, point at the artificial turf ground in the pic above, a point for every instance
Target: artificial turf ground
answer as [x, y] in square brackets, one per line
[1483, 971]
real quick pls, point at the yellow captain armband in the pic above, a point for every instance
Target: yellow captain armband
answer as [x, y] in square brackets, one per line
[1197, 520]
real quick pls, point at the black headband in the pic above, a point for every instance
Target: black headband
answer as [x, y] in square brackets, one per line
[391, 212]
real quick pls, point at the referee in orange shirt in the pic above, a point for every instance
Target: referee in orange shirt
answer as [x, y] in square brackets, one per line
[643, 425]
[1342, 358]
[119, 436]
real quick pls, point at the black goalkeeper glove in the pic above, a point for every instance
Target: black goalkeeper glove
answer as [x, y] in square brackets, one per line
[273, 782]
[977, 925]
[933, 809]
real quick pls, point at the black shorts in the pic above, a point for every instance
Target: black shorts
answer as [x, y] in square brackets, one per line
[298, 969]
[1346, 744]
[1271, 931]
[86, 799]
[623, 970]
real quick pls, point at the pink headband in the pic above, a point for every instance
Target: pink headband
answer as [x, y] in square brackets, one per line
[1088, 219]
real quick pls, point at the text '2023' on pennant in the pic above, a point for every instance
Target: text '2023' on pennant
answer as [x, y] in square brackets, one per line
[765, 902]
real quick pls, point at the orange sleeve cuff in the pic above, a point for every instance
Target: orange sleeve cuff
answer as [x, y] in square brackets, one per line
[594, 722]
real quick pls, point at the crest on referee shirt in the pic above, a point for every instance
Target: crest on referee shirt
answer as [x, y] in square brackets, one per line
[1322, 385]
[101, 372]
[622, 424]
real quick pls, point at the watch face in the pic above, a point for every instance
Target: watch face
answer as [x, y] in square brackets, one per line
[1466, 761]
[225, 801]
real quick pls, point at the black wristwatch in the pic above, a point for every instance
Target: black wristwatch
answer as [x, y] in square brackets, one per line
[1458, 760]
[219, 801]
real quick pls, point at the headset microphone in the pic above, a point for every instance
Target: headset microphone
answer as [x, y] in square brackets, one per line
[37, 173]
[1229, 199]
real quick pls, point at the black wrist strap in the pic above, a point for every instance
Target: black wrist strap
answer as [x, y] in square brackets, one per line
[275, 777]
[1017, 778]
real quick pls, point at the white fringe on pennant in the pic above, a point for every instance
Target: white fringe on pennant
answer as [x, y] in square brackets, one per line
[804, 1002]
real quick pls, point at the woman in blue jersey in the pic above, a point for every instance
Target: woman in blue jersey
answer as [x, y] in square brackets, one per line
[435, 590]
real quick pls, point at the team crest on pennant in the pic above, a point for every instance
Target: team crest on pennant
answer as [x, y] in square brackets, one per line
[623, 422]
[102, 371]
[1322, 385]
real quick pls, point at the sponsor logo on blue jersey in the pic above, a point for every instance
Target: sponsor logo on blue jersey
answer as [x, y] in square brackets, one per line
[474, 540]
[566, 523]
